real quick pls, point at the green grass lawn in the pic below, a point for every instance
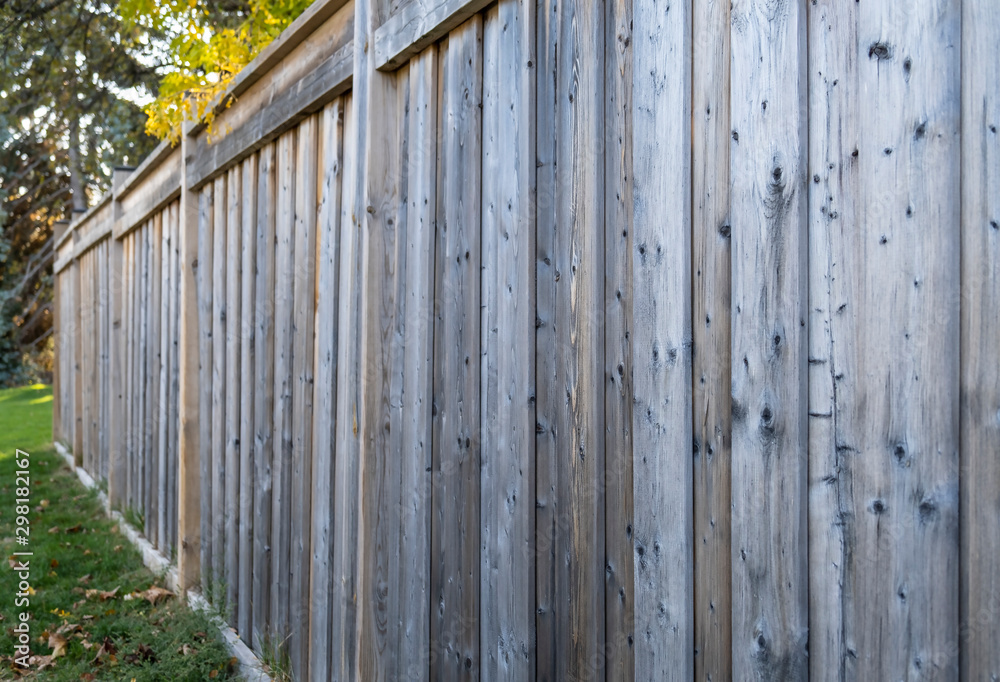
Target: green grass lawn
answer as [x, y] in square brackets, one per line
[77, 632]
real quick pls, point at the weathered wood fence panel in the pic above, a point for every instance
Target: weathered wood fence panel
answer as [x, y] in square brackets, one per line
[565, 340]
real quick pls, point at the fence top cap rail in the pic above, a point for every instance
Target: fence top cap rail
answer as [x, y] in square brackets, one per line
[307, 22]
[148, 165]
[80, 218]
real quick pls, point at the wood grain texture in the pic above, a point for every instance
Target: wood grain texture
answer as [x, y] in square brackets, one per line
[619, 588]
[416, 25]
[378, 209]
[248, 349]
[174, 425]
[833, 137]
[710, 321]
[304, 318]
[217, 568]
[284, 381]
[507, 619]
[456, 461]
[205, 290]
[231, 452]
[980, 328]
[157, 528]
[344, 647]
[570, 352]
[769, 340]
[661, 341]
[325, 413]
[415, 455]
[263, 442]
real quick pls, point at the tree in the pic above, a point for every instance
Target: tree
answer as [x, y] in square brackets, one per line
[209, 44]
[65, 123]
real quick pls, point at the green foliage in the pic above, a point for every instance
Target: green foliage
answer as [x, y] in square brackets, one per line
[209, 44]
[65, 122]
[75, 549]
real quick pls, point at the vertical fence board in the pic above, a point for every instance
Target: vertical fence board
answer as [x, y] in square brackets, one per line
[570, 356]
[234, 226]
[896, 408]
[415, 455]
[160, 350]
[507, 621]
[980, 329]
[619, 589]
[248, 349]
[175, 429]
[263, 444]
[347, 466]
[834, 180]
[217, 452]
[284, 278]
[304, 317]
[205, 285]
[456, 433]
[325, 413]
[769, 341]
[661, 344]
[710, 321]
[378, 193]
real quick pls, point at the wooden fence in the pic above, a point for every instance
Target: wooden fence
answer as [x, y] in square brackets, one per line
[614, 340]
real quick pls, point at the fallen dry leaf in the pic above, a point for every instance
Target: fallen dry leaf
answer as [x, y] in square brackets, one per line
[213, 674]
[87, 677]
[107, 650]
[155, 594]
[54, 563]
[58, 645]
[75, 529]
[101, 594]
[67, 628]
[187, 650]
[84, 580]
[54, 529]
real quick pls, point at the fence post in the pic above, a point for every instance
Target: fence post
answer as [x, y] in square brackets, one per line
[188, 479]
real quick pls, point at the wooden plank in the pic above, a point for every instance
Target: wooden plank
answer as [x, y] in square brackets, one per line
[833, 137]
[347, 466]
[980, 299]
[156, 528]
[57, 350]
[455, 521]
[303, 366]
[217, 567]
[321, 586]
[507, 621]
[570, 354]
[78, 406]
[281, 466]
[619, 588]
[769, 341]
[264, 393]
[711, 313]
[248, 244]
[86, 360]
[418, 24]
[418, 322]
[206, 242]
[661, 341]
[547, 395]
[901, 285]
[282, 111]
[144, 362]
[189, 338]
[128, 324]
[174, 416]
[141, 200]
[378, 203]
[234, 226]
